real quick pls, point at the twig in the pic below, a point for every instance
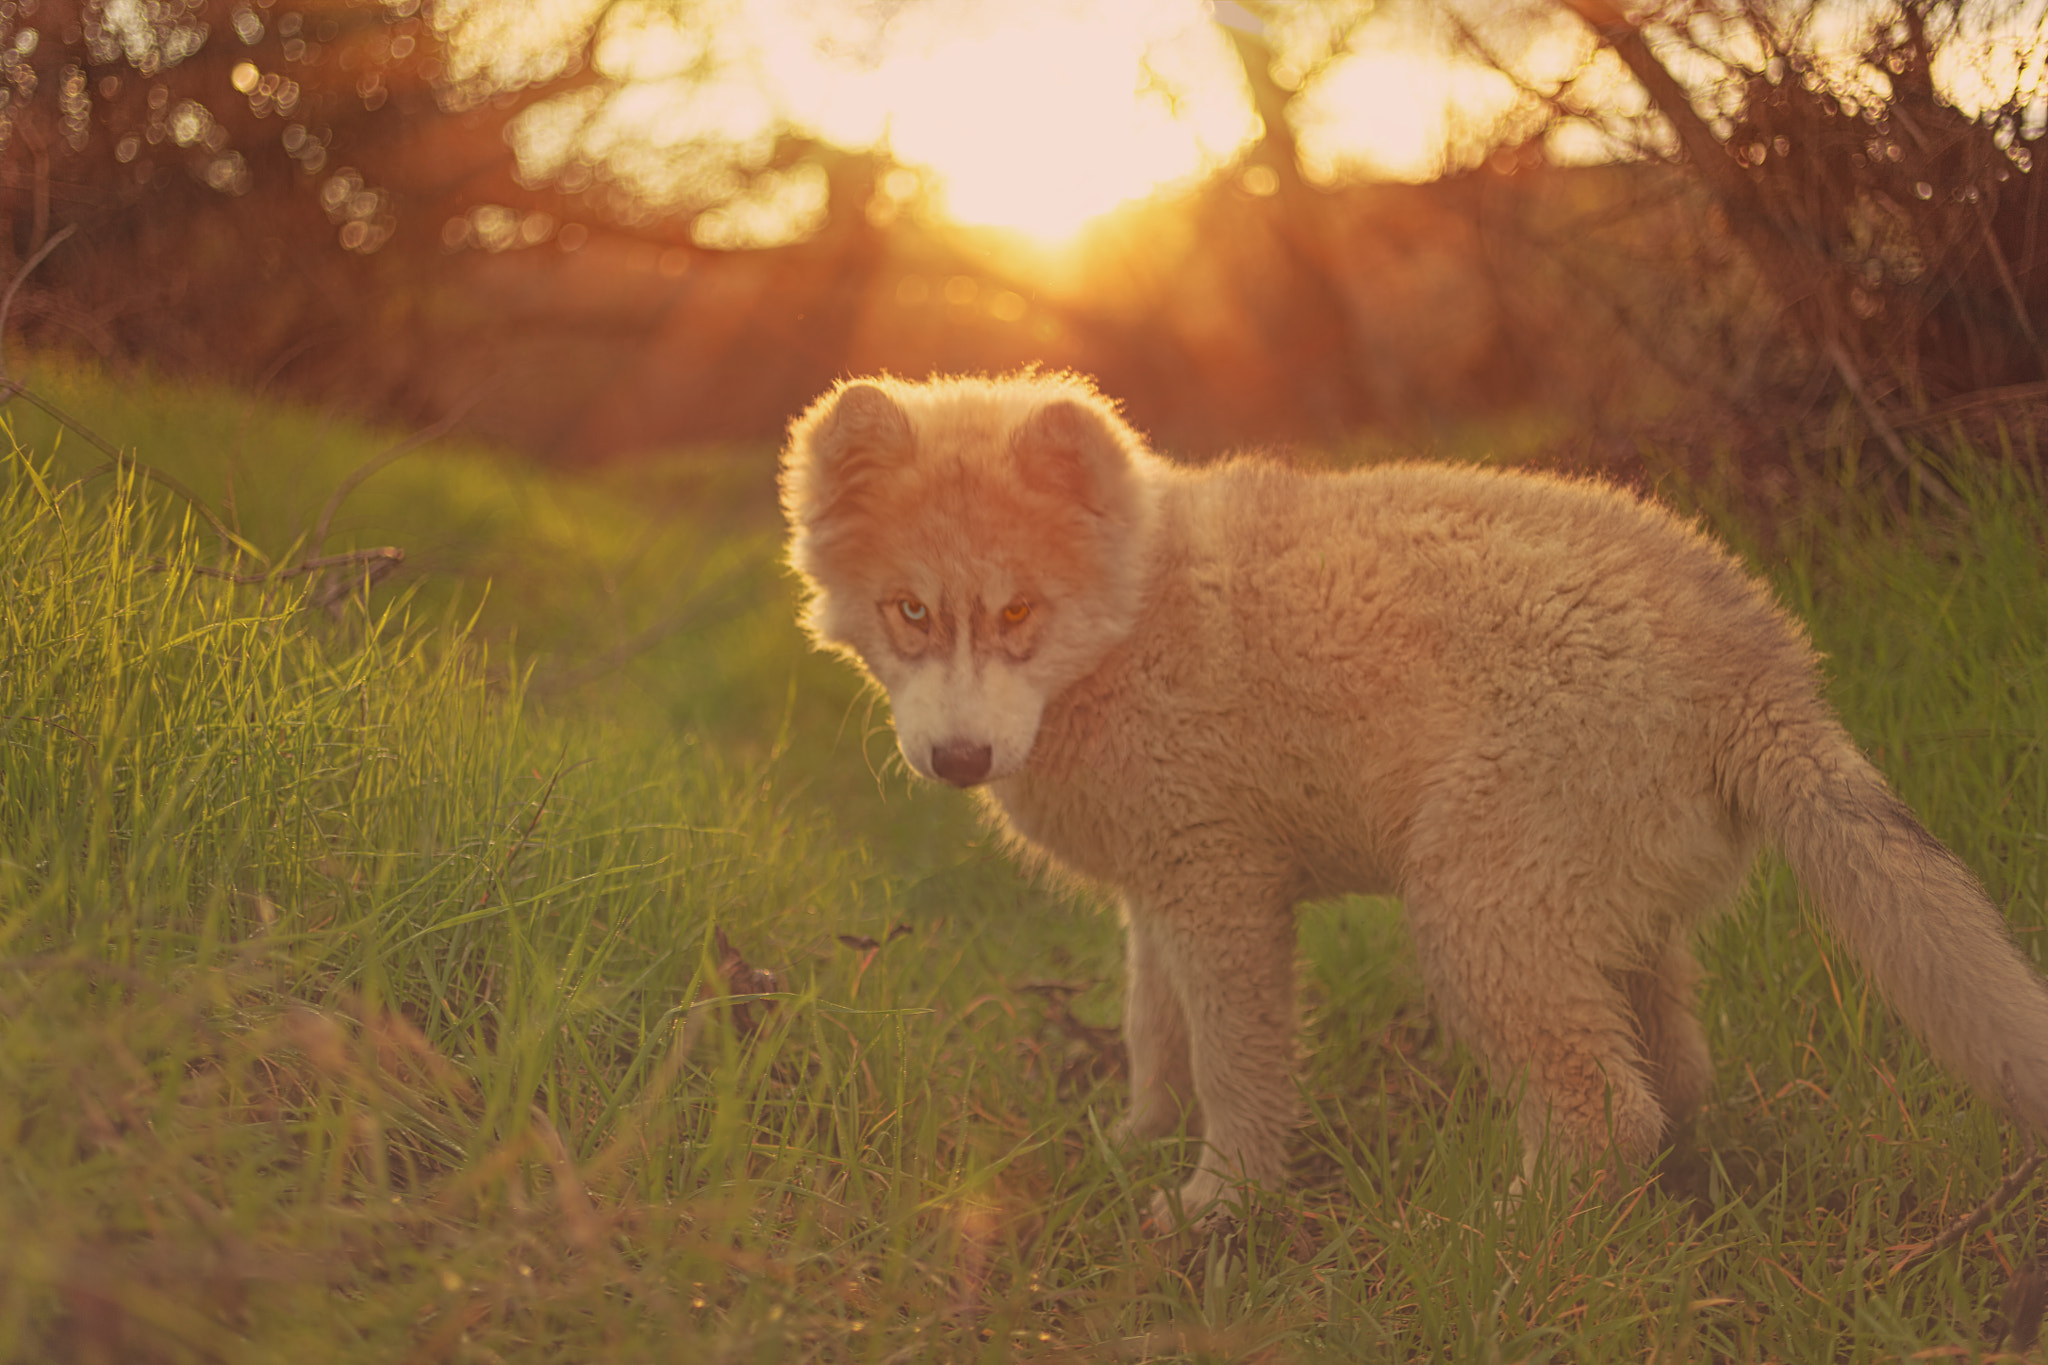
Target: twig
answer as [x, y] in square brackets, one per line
[290, 354]
[379, 461]
[384, 554]
[1982, 398]
[540, 808]
[1962, 1227]
[2004, 1194]
[27, 266]
[2011, 286]
[700, 610]
[376, 564]
[1886, 433]
[39, 148]
[117, 459]
[329, 593]
[10, 387]
[525, 835]
[380, 561]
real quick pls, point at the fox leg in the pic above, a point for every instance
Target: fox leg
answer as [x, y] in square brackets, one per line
[1155, 1039]
[1229, 961]
[1674, 1045]
[1553, 1029]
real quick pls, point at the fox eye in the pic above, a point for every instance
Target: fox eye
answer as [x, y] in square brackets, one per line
[913, 610]
[1017, 611]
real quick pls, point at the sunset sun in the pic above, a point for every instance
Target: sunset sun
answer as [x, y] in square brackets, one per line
[1033, 118]
[1044, 123]
[1040, 118]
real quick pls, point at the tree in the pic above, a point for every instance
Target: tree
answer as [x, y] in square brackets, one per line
[1901, 233]
[255, 183]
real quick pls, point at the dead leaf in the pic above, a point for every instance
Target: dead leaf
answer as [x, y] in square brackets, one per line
[740, 978]
[862, 943]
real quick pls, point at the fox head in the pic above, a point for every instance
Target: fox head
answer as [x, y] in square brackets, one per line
[977, 545]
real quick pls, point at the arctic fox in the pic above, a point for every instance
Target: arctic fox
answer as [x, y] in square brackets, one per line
[1552, 718]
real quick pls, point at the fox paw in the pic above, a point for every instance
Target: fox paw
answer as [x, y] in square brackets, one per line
[1206, 1204]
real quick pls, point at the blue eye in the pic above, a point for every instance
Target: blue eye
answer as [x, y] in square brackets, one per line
[913, 610]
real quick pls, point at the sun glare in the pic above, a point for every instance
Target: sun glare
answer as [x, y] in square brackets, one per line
[1407, 100]
[1042, 127]
[1031, 115]
[1041, 115]
[1035, 118]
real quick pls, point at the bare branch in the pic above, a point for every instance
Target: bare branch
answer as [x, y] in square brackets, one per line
[1886, 433]
[390, 456]
[1724, 178]
[7, 303]
[11, 389]
[1962, 1227]
[701, 609]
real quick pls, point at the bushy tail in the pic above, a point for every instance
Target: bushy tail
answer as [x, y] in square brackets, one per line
[1909, 909]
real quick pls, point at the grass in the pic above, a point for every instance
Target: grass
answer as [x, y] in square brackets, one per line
[382, 984]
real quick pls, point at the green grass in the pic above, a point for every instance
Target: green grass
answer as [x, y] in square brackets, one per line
[362, 997]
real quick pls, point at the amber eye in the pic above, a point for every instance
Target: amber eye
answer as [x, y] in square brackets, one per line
[1017, 611]
[913, 610]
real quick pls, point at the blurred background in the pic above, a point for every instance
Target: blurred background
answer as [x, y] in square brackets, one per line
[592, 229]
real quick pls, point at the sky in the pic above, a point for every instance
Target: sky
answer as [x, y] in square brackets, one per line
[1041, 115]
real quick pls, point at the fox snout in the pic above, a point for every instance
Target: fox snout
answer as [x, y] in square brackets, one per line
[961, 762]
[965, 725]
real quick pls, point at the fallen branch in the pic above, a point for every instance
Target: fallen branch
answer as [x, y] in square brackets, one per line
[325, 595]
[1962, 1227]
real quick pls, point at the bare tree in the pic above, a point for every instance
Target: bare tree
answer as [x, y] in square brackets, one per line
[1901, 234]
[254, 183]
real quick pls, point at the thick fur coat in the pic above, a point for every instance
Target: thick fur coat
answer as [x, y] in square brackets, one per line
[1554, 719]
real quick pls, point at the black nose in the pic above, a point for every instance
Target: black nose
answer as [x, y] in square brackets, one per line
[961, 764]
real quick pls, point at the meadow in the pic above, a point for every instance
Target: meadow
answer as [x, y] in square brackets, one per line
[538, 955]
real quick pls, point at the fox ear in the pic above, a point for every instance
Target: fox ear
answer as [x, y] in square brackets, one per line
[845, 440]
[1080, 453]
